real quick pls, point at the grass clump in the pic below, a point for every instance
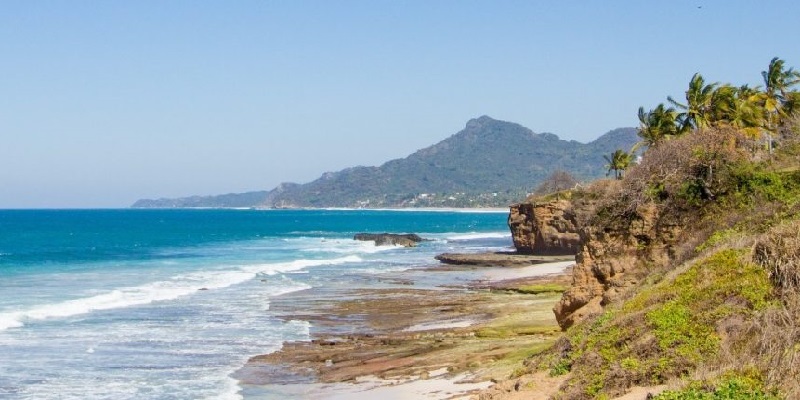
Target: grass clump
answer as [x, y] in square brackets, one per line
[541, 288]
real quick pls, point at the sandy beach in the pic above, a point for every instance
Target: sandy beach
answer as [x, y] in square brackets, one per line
[436, 333]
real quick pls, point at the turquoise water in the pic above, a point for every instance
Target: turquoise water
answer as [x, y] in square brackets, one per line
[167, 304]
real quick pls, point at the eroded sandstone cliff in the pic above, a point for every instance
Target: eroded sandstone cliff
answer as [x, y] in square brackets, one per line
[544, 228]
[613, 253]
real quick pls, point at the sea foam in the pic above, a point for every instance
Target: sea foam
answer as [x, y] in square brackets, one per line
[178, 286]
[481, 235]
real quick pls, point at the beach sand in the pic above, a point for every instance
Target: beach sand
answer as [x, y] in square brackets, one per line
[440, 333]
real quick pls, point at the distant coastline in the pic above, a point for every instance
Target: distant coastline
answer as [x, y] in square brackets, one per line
[498, 210]
[488, 164]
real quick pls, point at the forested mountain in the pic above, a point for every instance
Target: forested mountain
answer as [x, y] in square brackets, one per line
[488, 162]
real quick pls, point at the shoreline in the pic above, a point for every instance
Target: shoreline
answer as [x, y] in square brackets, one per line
[498, 210]
[473, 327]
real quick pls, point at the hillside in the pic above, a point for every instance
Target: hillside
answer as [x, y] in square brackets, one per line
[687, 277]
[488, 163]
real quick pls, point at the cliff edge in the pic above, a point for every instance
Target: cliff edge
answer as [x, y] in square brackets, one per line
[544, 228]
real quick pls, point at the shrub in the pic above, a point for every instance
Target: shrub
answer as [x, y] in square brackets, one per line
[686, 170]
[778, 251]
[731, 386]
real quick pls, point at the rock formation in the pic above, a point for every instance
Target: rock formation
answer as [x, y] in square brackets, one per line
[613, 253]
[547, 228]
[616, 253]
[390, 239]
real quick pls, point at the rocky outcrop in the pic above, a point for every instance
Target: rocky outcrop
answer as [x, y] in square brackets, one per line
[613, 253]
[547, 228]
[616, 253]
[390, 239]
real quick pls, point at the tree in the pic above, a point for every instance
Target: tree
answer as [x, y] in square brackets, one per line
[777, 81]
[738, 108]
[558, 181]
[777, 91]
[619, 161]
[698, 108]
[657, 125]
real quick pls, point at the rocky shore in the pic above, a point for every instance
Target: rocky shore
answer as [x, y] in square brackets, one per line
[412, 339]
[447, 331]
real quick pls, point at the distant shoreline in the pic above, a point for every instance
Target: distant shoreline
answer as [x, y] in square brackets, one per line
[398, 209]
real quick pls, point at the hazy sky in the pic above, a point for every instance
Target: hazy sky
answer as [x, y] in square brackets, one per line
[105, 102]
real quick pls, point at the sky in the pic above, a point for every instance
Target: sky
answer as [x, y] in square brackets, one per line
[106, 102]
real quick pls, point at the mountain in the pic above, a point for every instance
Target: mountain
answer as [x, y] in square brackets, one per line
[489, 161]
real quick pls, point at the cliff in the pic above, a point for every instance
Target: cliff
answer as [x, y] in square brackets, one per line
[544, 228]
[612, 254]
[615, 256]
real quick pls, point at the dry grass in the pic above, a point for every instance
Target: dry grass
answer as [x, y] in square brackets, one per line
[777, 346]
[778, 252]
[773, 340]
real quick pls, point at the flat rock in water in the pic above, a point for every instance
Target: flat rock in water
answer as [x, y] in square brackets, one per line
[498, 259]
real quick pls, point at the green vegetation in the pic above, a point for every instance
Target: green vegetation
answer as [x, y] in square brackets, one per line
[755, 111]
[543, 288]
[667, 330]
[731, 386]
[618, 162]
[716, 302]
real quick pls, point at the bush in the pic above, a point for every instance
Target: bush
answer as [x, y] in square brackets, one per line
[685, 171]
[778, 251]
[729, 387]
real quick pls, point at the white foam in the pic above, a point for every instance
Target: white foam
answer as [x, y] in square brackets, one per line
[480, 235]
[230, 391]
[178, 286]
[9, 320]
[347, 246]
[272, 269]
[289, 289]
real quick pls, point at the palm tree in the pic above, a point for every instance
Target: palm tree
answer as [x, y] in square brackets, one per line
[737, 107]
[697, 110]
[777, 81]
[619, 161]
[657, 124]
[777, 91]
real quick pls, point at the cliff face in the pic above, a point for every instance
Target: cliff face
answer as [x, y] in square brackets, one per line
[612, 254]
[544, 228]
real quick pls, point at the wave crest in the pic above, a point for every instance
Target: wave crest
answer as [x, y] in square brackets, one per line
[178, 286]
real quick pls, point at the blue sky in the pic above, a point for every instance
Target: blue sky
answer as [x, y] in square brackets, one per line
[102, 103]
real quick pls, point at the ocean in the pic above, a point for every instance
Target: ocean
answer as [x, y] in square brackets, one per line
[169, 304]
